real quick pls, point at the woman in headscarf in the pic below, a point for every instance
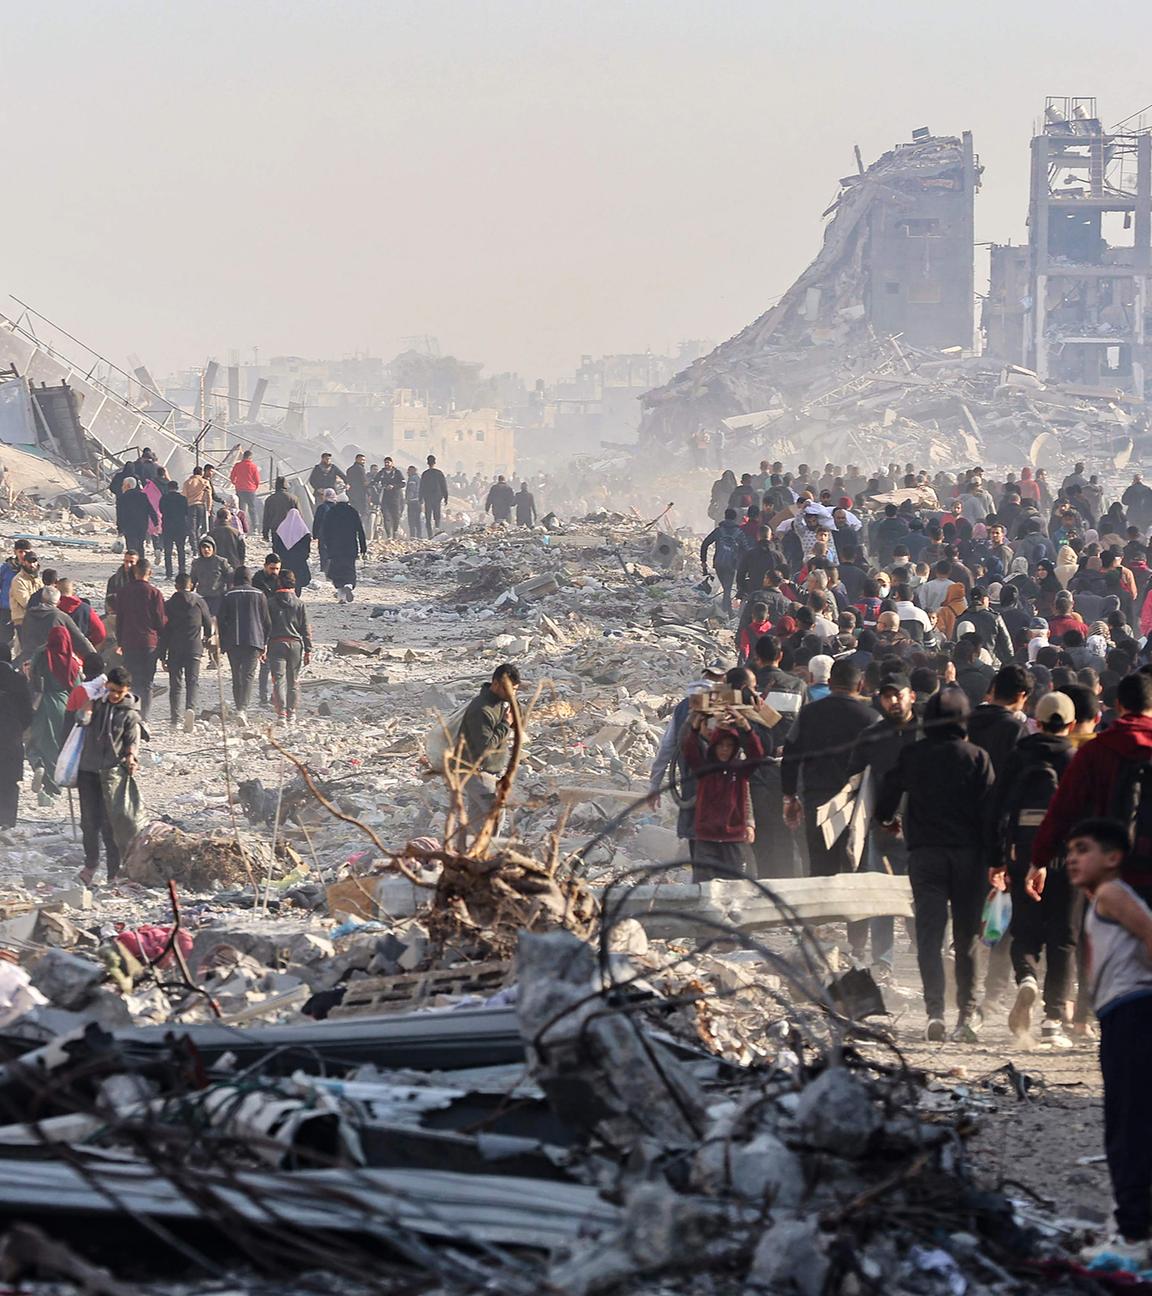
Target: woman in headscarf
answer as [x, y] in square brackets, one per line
[1066, 565]
[1049, 586]
[1026, 588]
[54, 670]
[951, 610]
[292, 544]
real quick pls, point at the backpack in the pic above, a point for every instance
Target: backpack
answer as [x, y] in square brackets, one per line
[729, 550]
[1029, 803]
[1132, 807]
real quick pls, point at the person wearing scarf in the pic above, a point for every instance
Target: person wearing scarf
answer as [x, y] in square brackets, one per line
[292, 543]
[54, 670]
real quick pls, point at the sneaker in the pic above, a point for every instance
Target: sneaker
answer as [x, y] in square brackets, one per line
[936, 1031]
[37, 780]
[349, 594]
[189, 720]
[968, 1028]
[1053, 1033]
[1020, 1018]
[1116, 1252]
[242, 719]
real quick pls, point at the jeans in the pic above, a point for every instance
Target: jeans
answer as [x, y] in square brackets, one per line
[390, 513]
[243, 662]
[136, 541]
[95, 825]
[883, 854]
[414, 519]
[183, 678]
[945, 878]
[197, 524]
[174, 542]
[432, 516]
[141, 665]
[247, 501]
[1126, 1060]
[726, 576]
[1047, 926]
[284, 659]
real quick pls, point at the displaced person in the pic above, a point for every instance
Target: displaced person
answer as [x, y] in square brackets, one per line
[210, 575]
[15, 716]
[358, 497]
[134, 515]
[342, 535]
[325, 476]
[289, 647]
[277, 506]
[485, 741]
[433, 495]
[244, 624]
[229, 542]
[53, 671]
[525, 507]
[948, 785]
[727, 543]
[109, 798]
[389, 483]
[187, 632]
[723, 762]
[412, 500]
[140, 618]
[24, 584]
[500, 501]
[293, 543]
[198, 493]
[245, 476]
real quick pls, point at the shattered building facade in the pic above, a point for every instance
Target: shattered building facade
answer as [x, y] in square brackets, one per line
[1080, 316]
[897, 258]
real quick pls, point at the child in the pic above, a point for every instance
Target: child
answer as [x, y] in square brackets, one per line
[757, 625]
[723, 824]
[1118, 932]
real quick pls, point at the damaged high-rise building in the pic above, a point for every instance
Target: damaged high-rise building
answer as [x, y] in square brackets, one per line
[897, 260]
[1074, 304]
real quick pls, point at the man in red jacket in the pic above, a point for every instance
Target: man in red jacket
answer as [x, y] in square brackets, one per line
[82, 612]
[245, 476]
[723, 827]
[1088, 788]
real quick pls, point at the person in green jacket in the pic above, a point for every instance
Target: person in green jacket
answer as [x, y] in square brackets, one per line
[485, 738]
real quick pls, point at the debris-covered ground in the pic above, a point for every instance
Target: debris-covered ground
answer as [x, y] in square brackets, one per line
[369, 1059]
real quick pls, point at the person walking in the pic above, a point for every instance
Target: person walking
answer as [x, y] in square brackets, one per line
[9, 570]
[948, 785]
[140, 619]
[106, 782]
[412, 500]
[53, 671]
[289, 647]
[210, 575]
[343, 538]
[16, 713]
[525, 507]
[44, 617]
[244, 625]
[267, 581]
[500, 500]
[197, 491]
[24, 584]
[134, 515]
[485, 742]
[723, 762]
[245, 477]
[358, 492]
[187, 632]
[433, 495]
[325, 476]
[816, 761]
[389, 483]
[292, 541]
[229, 542]
[727, 543]
[175, 524]
[277, 506]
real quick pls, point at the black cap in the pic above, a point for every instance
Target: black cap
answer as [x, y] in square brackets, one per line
[894, 682]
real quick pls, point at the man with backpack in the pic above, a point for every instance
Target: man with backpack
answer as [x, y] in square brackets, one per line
[1110, 778]
[728, 543]
[1041, 924]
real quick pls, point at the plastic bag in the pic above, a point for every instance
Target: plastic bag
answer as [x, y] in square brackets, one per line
[67, 770]
[440, 741]
[996, 917]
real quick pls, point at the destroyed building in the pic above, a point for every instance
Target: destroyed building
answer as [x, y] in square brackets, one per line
[1079, 310]
[896, 259]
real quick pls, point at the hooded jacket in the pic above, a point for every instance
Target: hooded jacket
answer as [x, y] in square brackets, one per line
[730, 543]
[722, 798]
[80, 610]
[948, 782]
[139, 616]
[243, 620]
[1030, 754]
[288, 619]
[188, 628]
[37, 624]
[229, 544]
[210, 573]
[1088, 787]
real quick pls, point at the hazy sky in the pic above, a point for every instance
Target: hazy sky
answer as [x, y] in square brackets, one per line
[525, 181]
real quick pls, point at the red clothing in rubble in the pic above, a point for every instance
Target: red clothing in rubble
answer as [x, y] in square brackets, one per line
[723, 805]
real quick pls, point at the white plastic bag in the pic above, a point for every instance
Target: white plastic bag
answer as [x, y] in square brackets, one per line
[996, 918]
[67, 770]
[440, 740]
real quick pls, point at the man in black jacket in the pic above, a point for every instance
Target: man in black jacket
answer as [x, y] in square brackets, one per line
[877, 750]
[998, 724]
[815, 763]
[1041, 924]
[175, 519]
[948, 784]
[325, 476]
[389, 482]
[244, 625]
[15, 716]
[433, 495]
[187, 632]
[988, 625]
[267, 581]
[134, 514]
[500, 501]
